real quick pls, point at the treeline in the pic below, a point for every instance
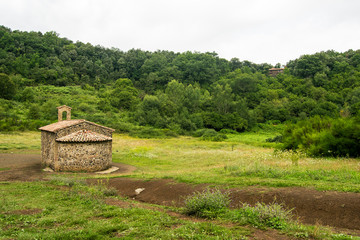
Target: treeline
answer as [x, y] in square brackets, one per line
[49, 59]
[182, 92]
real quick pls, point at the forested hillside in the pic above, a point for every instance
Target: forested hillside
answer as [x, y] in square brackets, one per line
[182, 92]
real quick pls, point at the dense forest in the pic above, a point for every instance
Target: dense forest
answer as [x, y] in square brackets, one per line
[180, 92]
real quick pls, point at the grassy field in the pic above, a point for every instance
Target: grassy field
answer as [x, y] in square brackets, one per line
[40, 210]
[68, 208]
[236, 162]
[20, 142]
[233, 163]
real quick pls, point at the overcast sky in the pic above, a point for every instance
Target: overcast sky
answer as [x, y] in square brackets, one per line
[256, 30]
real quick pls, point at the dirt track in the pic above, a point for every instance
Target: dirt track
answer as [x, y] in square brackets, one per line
[336, 209]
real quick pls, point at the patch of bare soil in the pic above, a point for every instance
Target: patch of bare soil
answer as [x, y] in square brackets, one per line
[31, 211]
[27, 167]
[20, 167]
[335, 209]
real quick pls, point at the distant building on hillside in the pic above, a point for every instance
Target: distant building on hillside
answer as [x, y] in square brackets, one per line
[275, 71]
[75, 145]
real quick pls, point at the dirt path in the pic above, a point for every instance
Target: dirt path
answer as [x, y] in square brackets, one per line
[336, 209]
[312, 207]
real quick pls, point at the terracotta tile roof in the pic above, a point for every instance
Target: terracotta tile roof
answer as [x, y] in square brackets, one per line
[55, 127]
[63, 106]
[84, 136]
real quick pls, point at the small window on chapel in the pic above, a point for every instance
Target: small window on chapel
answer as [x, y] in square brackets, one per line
[64, 115]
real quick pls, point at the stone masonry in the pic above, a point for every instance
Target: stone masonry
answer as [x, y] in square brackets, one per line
[76, 145]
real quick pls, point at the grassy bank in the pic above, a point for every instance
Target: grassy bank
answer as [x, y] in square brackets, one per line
[43, 212]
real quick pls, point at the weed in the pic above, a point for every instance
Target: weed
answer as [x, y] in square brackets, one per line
[261, 215]
[67, 181]
[208, 203]
[341, 237]
[294, 156]
[105, 189]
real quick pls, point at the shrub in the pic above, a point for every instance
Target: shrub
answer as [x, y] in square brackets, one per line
[152, 133]
[324, 137]
[275, 139]
[104, 189]
[261, 215]
[228, 131]
[199, 132]
[209, 203]
[147, 133]
[212, 135]
[67, 181]
[221, 121]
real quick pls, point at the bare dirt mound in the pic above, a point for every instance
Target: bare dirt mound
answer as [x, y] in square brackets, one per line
[334, 209]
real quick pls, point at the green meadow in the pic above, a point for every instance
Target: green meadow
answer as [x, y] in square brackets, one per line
[67, 208]
[236, 162]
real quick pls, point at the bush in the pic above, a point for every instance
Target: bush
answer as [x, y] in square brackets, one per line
[324, 137]
[104, 189]
[152, 133]
[221, 121]
[275, 139]
[67, 181]
[199, 132]
[208, 204]
[228, 131]
[209, 135]
[261, 215]
[212, 135]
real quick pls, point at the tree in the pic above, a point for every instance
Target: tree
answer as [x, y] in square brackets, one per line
[176, 93]
[125, 95]
[148, 112]
[222, 98]
[7, 87]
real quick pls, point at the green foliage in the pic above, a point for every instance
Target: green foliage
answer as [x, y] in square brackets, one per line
[7, 87]
[227, 131]
[178, 91]
[152, 133]
[275, 139]
[67, 181]
[209, 135]
[219, 121]
[124, 95]
[208, 204]
[324, 137]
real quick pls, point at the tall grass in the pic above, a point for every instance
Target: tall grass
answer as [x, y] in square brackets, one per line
[215, 204]
[209, 203]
